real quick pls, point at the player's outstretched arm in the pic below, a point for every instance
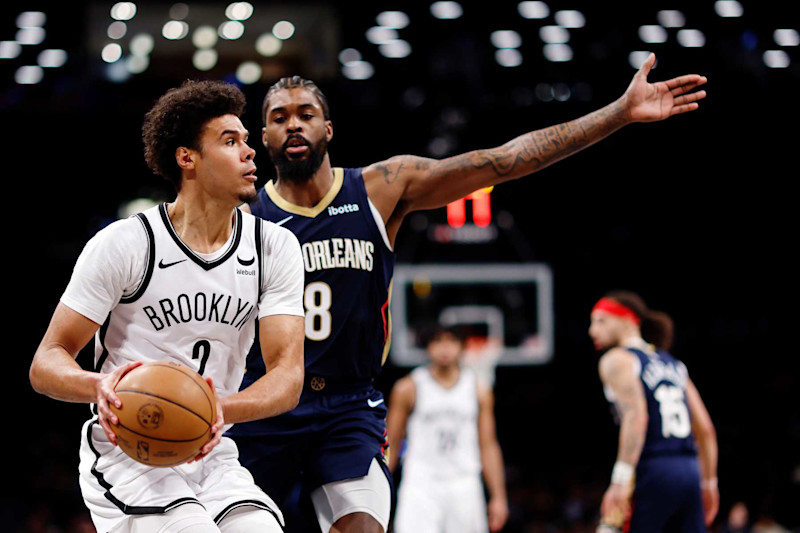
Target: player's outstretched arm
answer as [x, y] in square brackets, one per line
[617, 372]
[401, 403]
[492, 461]
[706, 438]
[55, 373]
[408, 183]
[279, 389]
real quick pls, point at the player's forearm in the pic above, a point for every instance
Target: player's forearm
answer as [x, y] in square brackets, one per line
[707, 452]
[632, 434]
[541, 148]
[493, 470]
[276, 392]
[56, 374]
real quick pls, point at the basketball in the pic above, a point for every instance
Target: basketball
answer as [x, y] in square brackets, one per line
[167, 413]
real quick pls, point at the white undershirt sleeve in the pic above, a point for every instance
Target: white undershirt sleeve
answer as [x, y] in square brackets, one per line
[284, 274]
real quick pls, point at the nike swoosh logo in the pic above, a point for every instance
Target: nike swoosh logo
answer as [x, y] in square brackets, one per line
[162, 264]
[247, 262]
[374, 404]
[284, 221]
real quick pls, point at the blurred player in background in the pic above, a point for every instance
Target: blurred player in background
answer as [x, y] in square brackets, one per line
[665, 477]
[182, 282]
[346, 221]
[447, 418]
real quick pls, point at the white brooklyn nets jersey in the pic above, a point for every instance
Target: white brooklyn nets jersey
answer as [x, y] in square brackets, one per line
[198, 310]
[442, 430]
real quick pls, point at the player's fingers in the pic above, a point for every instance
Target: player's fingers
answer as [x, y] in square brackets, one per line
[682, 89]
[688, 98]
[677, 110]
[687, 79]
[644, 70]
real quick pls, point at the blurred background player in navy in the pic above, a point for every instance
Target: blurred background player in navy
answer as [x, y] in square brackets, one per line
[665, 476]
[447, 417]
[346, 221]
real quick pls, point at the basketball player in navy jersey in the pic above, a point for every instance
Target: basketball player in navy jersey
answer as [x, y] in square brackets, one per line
[665, 476]
[346, 221]
[182, 282]
[448, 415]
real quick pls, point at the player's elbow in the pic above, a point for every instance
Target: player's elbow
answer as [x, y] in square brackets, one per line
[35, 376]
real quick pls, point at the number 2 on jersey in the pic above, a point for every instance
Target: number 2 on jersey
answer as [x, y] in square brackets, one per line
[201, 351]
[317, 301]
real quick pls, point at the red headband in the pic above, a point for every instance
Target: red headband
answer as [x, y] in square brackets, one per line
[615, 308]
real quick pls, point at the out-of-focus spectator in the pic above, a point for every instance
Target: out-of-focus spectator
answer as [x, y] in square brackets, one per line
[738, 518]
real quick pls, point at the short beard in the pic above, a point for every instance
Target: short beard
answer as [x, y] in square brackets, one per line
[300, 170]
[248, 197]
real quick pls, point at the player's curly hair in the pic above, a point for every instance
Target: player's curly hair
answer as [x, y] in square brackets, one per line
[292, 83]
[657, 327]
[177, 119]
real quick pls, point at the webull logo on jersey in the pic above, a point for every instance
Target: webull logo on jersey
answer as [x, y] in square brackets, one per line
[219, 308]
[346, 208]
[338, 253]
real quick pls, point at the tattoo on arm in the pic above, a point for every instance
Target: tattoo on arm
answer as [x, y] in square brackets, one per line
[538, 149]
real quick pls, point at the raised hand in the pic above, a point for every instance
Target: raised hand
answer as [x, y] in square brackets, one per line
[649, 102]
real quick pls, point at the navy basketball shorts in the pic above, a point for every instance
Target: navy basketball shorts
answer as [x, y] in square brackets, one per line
[667, 496]
[330, 436]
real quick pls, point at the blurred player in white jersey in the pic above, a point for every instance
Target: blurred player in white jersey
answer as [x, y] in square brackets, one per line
[447, 417]
[182, 282]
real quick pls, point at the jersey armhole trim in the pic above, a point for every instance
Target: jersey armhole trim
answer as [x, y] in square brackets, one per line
[151, 261]
[379, 222]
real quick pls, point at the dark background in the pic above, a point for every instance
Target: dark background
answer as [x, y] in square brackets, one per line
[690, 213]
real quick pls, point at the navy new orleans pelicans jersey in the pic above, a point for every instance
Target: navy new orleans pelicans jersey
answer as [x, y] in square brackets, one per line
[348, 266]
[669, 430]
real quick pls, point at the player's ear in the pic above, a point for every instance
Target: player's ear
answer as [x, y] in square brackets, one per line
[185, 158]
[328, 129]
[264, 137]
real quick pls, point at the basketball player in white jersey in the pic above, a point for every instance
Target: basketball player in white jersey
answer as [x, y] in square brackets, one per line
[447, 418]
[183, 282]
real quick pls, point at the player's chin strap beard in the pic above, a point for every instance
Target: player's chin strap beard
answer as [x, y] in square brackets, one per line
[302, 170]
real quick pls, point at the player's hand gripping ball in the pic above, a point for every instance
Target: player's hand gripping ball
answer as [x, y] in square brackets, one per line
[167, 413]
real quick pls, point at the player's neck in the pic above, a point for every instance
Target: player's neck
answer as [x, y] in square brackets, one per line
[308, 193]
[204, 226]
[446, 375]
[635, 341]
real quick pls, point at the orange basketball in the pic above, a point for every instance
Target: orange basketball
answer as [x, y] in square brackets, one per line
[167, 413]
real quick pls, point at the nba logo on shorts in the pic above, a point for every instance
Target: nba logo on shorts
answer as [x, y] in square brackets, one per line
[143, 450]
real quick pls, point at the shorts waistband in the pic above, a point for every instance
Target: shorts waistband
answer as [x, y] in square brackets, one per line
[326, 384]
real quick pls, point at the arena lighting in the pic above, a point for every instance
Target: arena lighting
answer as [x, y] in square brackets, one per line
[358, 70]
[231, 30]
[239, 11]
[446, 10]
[638, 57]
[392, 19]
[31, 19]
[117, 30]
[652, 33]
[135, 206]
[123, 11]
[117, 72]
[179, 11]
[248, 72]
[508, 57]
[268, 45]
[553, 35]
[175, 30]
[786, 37]
[204, 59]
[671, 18]
[561, 92]
[31, 36]
[557, 52]
[776, 59]
[9, 49]
[728, 8]
[506, 39]
[52, 58]
[533, 10]
[481, 209]
[204, 37]
[380, 35]
[142, 44]
[111, 53]
[137, 64]
[348, 55]
[395, 49]
[29, 75]
[691, 38]
[570, 18]
[283, 30]
[544, 92]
